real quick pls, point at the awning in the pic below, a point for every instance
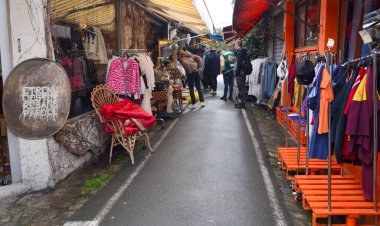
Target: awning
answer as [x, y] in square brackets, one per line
[101, 13]
[228, 32]
[98, 13]
[182, 11]
[247, 13]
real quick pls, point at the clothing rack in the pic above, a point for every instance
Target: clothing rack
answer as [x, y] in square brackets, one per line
[373, 56]
[131, 51]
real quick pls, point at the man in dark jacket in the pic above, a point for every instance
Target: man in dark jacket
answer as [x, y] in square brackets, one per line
[241, 54]
[212, 69]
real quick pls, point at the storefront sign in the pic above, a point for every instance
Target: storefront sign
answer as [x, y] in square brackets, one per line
[36, 99]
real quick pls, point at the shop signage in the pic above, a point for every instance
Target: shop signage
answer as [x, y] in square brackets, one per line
[36, 98]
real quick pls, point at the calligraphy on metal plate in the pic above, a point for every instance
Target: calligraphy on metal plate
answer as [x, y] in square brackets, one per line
[36, 98]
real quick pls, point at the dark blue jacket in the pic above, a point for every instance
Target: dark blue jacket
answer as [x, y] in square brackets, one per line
[212, 64]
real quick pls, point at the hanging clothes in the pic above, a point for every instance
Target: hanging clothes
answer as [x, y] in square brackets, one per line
[147, 68]
[254, 79]
[354, 88]
[75, 72]
[360, 130]
[338, 118]
[124, 77]
[262, 80]
[95, 46]
[327, 96]
[269, 79]
[291, 77]
[319, 142]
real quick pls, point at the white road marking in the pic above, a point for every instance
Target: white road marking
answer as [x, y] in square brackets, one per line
[111, 202]
[273, 201]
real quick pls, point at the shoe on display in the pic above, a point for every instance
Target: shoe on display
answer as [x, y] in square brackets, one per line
[240, 106]
[223, 98]
[192, 106]
[203, 104]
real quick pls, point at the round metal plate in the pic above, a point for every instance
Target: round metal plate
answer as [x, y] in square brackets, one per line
[36, 98]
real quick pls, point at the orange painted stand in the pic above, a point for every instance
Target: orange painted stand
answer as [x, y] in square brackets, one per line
[346, 197]
[292, 126]
[288, 162]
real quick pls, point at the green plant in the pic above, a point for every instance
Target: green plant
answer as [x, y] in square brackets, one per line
[257, 41]
[94, 183]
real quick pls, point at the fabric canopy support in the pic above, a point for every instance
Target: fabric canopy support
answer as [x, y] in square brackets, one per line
[248, 13]
[182, 11]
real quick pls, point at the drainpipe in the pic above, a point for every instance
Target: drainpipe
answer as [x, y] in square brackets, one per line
[7, 65]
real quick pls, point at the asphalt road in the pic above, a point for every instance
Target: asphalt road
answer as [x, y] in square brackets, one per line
[204, 173]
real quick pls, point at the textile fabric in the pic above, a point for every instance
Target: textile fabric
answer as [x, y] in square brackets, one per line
[124, 111]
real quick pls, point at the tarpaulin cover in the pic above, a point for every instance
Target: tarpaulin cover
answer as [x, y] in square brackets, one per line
[247, 13]
[125, 111]
[215, 37]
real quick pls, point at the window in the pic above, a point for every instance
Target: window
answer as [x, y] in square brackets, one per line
[307, 10]
[79, 53]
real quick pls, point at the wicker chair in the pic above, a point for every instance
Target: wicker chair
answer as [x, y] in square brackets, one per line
[102, 94]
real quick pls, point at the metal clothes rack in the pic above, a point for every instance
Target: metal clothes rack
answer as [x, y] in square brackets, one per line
[122, 52]
[373, 56]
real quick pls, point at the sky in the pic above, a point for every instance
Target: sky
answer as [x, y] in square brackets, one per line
[221, 12]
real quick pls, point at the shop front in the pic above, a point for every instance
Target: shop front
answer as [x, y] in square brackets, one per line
[87, 39]
[339, 40]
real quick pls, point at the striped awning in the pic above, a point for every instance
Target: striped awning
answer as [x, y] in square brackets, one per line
[101, 13]
[181, 11]
[248, 13]
[98, 13]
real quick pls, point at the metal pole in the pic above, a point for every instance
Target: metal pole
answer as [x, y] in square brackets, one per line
[299, 126]
[375, 134]
[286, 112]
[307, 135]
[330, 60]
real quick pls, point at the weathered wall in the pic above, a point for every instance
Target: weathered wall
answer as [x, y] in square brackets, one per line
[139, 32]
[37, 164]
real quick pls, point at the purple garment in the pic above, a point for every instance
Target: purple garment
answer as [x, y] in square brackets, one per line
[360, 130]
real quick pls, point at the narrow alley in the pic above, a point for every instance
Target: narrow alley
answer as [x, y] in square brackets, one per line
[205, 172]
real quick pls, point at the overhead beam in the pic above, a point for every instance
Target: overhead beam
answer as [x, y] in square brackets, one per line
[289, 13]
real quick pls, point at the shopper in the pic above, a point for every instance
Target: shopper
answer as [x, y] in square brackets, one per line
[227, 61]
[192, 64]
[205, 79]
[241, 55]
[212, 69]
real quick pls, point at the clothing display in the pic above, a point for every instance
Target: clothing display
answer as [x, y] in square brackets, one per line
[262, 80]
[95, 47]
[76, 70]
[124, 77]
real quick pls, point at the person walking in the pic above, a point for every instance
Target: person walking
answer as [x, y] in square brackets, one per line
[205, 79]
[192, 64]
[227, 61]
[241, 55]
[212, 69]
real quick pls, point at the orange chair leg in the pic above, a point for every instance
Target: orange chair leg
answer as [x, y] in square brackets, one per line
[351, 220]
[314, 220]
